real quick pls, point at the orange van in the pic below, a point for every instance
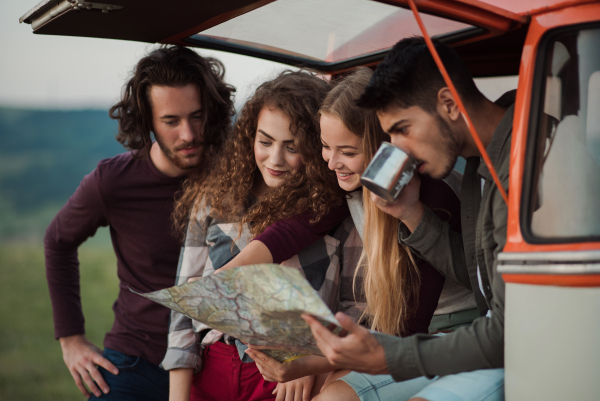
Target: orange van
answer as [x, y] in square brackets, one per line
[551, 262]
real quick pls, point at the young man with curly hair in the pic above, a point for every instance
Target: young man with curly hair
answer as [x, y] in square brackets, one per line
[181, 99]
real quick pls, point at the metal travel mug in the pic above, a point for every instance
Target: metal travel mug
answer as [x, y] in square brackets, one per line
[389, 172]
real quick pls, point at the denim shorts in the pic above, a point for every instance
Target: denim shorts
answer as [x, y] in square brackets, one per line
[479, 385]
[137, 380]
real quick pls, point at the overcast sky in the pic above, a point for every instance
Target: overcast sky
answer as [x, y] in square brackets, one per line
[68, 72]
[58, 72]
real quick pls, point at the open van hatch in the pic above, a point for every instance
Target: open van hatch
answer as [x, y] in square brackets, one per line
[327, 35]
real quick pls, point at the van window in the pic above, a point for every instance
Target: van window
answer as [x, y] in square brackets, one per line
[325, 31]
[564, 177]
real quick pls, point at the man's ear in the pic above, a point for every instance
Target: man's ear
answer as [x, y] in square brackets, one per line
[447, 105]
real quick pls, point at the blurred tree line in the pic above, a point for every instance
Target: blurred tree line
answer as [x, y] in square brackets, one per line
[44, 154]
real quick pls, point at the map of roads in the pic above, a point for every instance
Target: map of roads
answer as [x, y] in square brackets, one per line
[257, 304]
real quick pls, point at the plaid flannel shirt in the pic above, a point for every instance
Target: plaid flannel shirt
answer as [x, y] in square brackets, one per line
[328, 264]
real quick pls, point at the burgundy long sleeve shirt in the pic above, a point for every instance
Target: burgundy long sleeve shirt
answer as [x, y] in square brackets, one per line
[136, 201]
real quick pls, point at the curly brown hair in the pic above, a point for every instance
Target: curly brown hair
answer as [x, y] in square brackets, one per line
[174, 66]
[312, 189]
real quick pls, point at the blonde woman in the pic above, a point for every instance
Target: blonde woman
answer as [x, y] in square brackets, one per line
[402, 292]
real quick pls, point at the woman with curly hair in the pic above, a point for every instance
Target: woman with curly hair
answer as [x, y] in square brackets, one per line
[270, 169]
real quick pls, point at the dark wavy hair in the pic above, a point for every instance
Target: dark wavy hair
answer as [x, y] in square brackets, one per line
[408, 76]
[312, 189]
[174, 66]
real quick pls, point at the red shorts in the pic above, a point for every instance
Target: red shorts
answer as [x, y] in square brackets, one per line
[225, 378]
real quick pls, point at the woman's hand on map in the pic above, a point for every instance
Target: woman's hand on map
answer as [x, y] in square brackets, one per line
[275, 371]
[295, 390]
[295, 378]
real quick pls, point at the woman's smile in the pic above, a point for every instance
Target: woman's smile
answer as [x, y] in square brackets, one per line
[276, 173]
[344, 175]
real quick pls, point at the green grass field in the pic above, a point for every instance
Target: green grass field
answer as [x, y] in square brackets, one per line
[31, 365]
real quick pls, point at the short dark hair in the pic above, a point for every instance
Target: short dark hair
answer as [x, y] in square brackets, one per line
[408, 76]
[174, 66]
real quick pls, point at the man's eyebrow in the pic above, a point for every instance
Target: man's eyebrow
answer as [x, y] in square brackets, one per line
[174, 116]
[396, 126]
[273, 139]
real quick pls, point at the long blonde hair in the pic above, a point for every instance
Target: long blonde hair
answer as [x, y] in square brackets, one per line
[391, 278]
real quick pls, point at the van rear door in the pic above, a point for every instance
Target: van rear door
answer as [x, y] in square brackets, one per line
[551, 263]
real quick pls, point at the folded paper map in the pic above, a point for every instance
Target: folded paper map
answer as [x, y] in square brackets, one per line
[257, 304]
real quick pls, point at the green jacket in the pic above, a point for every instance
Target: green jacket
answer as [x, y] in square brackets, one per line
[456, 256]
